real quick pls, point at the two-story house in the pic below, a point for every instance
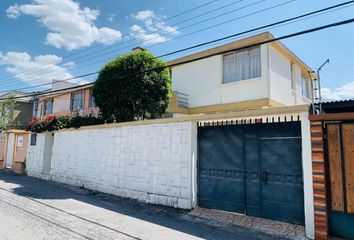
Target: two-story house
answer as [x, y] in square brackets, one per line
[223, 79]
[76, 101]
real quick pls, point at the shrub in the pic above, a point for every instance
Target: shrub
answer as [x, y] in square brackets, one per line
[53, 123]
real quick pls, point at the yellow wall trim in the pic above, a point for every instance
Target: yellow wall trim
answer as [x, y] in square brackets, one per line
[273, 103]
[227, 107]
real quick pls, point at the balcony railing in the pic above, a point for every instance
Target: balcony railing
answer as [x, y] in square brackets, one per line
[182, 100]
[178, 103]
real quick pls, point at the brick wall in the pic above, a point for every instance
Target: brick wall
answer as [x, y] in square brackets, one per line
[319, 181]
[152, 163]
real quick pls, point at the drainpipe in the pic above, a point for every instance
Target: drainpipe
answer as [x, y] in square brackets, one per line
[312, 92]
[319, 84]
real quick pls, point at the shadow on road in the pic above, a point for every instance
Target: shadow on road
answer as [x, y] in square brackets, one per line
[180, 220]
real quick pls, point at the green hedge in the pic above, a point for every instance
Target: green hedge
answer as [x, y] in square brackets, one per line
[53, 123]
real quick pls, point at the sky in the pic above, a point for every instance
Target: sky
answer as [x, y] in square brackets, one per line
[42, 40]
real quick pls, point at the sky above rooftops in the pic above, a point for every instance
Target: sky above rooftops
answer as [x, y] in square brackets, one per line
[43, 40]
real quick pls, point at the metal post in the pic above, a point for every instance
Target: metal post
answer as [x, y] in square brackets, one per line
[319, 84]
[312, 92]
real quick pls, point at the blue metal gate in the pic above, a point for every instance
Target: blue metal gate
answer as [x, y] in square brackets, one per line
[252, 169]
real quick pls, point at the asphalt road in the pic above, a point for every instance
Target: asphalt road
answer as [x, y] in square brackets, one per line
[32, 209]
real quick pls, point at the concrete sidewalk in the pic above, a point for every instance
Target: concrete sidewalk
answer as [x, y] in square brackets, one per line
[37, 209]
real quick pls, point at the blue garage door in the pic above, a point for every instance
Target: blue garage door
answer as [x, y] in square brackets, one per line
[252, 169]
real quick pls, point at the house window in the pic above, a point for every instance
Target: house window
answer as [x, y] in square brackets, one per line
[48, 106]
[306, 90]
[77, 101]
[242, 65]
[92, 99]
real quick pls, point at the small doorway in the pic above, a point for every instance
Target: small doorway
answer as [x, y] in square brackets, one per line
[10, 150]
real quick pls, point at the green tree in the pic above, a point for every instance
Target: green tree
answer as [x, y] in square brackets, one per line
[133, 86]
[6, 112]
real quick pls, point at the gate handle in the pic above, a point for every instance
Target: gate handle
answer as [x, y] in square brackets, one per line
[264, 177]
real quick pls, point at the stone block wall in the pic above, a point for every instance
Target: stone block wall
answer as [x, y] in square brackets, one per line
[35, 158]
[152, 163]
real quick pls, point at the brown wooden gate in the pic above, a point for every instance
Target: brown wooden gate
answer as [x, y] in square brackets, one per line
[340, 180]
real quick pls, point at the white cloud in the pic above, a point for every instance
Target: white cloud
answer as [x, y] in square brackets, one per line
[155, 30]
[69, 64]
[37, 70]
[110, 17]
[148, 39]
[344, 92]
[69, 26]
[143, 15]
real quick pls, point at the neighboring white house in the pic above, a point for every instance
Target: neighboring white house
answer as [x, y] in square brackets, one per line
[265, 76]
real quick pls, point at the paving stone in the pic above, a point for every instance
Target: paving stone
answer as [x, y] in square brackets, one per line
[276, 228]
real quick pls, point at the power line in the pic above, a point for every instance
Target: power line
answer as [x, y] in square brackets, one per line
[197, 23]
[316, 29]
[163, 20]
[317, 12]
[332, 7]
[150, 25]
[133, 39]
[283, 24]
[128, 34]
[188, 26]
[339, 6]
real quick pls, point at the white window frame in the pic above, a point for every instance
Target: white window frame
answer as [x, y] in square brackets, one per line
[46, 107]
[72, 101]
[248, 50]
[305, 81]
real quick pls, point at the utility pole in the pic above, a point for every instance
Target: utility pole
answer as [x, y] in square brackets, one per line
[319, 84]
[319, 80]
[319, 99]
[35, 104]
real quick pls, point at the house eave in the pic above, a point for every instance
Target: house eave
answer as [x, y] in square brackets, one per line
[262, 37]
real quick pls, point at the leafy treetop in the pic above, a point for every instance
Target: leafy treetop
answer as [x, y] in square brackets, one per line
[133, 86]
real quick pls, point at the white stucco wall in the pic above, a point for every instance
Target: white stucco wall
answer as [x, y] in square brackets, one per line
[35, 157]
[152, 163]
[281, 72]
[307, 175]
[202, 81]
[280, 78]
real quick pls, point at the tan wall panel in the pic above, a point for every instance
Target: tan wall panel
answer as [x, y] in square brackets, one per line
[348, 148]
[20, 152]
[2, 150]
[335, 167]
